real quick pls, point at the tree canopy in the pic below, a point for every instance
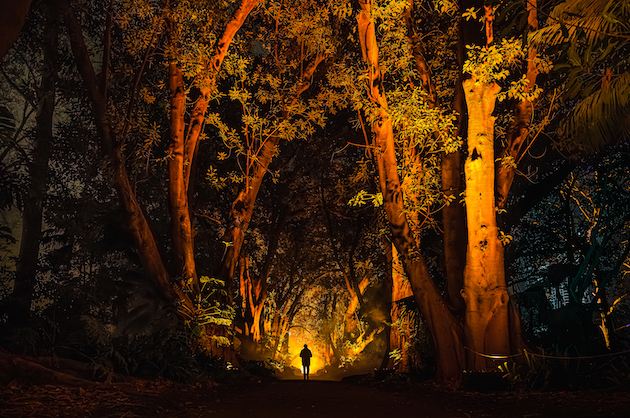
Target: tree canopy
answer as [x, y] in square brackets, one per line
[413, 184]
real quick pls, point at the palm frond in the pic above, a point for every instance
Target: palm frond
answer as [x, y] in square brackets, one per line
[7, 124]
[5, 234]
[596, 20]
[602, 118]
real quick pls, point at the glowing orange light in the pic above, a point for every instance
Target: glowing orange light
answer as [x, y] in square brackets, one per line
[296, 343]
[316, 363]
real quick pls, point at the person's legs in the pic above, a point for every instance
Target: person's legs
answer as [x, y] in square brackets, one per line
[307, 369]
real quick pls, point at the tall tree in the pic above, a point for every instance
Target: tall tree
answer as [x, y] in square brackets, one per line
[179, 166]
[453, 215]
[445, 329]
[484, 290]
[32, 213]
[138, 223]
[486, 323]
[184, 140]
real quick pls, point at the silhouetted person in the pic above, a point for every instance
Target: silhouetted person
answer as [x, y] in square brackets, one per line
[306, 360]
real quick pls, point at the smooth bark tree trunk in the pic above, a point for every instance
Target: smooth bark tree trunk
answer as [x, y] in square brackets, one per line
[181, 225]
[445, 330]
[32, 214]
[485, 294]
[454, 215]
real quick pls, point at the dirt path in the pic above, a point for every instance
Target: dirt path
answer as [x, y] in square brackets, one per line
[242, 399]
[310, 399]
[249, 396]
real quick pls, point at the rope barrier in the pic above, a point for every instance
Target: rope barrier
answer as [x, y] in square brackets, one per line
[493, 356]
[576, 357]
[526, 353]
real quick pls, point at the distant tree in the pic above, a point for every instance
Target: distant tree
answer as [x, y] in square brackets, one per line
[254, 287]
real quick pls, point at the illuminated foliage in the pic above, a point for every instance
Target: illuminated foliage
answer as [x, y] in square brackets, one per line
[274, 65]
[421, 130]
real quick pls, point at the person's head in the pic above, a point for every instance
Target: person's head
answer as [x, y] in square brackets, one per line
[305, 346]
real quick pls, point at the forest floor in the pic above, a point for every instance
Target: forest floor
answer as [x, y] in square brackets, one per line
[268, 397]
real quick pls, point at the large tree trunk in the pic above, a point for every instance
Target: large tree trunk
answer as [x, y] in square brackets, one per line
[26, 268]
[444, 328]
[486, 320]
[12, 19]
[454, 215]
